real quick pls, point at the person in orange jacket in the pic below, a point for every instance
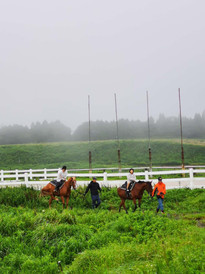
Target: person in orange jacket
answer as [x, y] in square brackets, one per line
[160, 190]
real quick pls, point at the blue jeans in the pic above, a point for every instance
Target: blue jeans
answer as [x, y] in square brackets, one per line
[95, 201]
[160, 205]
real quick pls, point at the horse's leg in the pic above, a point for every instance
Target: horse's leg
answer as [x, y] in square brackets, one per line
[123, 203]
[63, 201]
[139, 202]
[134, 201]
[120, 205]
[50, 200]
[55, 198]
[67, 200]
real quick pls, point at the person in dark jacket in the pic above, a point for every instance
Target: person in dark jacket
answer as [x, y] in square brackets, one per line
[94, 187]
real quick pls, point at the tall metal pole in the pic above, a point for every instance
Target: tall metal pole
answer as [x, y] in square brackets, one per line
[90, 155]
[118, 141]
[149, 138]
[181, 130]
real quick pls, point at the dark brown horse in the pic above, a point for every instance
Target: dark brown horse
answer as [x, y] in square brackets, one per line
[136, 193]
[64, 192]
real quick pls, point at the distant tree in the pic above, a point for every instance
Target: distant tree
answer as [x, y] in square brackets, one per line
[163, 127]
[37, 133]
[14, 135]
[203, 115]
[50, 132]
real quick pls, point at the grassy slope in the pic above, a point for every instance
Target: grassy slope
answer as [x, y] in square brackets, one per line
[33, 238]
[75, 154]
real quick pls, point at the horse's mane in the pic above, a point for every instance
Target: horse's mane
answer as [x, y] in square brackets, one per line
[70, 179]
[142, 182]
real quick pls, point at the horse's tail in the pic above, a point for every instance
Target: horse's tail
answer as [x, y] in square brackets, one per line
[43, 193]
[46, 190]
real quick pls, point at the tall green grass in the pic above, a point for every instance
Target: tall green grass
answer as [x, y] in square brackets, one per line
[34, 238]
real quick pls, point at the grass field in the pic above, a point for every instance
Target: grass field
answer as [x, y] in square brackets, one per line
[104, 154]
[33, 238]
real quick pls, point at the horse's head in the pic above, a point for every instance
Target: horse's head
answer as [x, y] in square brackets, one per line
[148, 188]
[73, 182]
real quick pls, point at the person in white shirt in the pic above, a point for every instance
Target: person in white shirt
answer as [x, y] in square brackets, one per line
[61, 178]
[130, 178]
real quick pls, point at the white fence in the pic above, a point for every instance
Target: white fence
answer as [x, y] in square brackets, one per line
[40, 177]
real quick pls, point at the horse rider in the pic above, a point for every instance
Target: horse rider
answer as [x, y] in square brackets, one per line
[131, 177]
[94, 188]
[160, 190]
[61, 178]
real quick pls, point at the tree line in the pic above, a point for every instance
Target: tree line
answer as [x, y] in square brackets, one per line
[163, 127]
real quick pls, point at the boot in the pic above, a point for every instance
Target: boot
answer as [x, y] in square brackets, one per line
[163, 211]
[157, 210]
[127, 193]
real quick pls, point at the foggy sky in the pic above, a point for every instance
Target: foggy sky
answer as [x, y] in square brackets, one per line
[54, 53]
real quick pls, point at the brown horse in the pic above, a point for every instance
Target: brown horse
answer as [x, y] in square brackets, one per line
[136, 193]
[64, 192]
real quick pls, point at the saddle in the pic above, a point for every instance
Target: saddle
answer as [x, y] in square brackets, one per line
[124, 186]
[54, 183]
[131, 186]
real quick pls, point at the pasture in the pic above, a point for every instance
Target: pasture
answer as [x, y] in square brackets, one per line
[33, 238]
[104, 154]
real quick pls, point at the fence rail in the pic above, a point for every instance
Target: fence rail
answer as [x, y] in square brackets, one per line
[52, 172]
[28, 177]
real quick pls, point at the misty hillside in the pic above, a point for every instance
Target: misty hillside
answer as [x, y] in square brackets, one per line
[104, 154]
[163, 127]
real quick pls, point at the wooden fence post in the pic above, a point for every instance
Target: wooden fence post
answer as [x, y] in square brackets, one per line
[17, 175]
[26, 179]
[191, 175]
[45, 173]
[30, 174]
[105, 177]
[146, 175]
